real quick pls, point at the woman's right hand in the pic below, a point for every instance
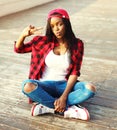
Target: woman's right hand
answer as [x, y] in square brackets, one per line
[31, 30]
[28, 31]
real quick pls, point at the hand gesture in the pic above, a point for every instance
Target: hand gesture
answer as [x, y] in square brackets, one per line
[32, 30]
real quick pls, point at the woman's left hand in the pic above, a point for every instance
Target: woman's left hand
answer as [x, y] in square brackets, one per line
[60, 104]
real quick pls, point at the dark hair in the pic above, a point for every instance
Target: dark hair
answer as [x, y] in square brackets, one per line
[69, 35]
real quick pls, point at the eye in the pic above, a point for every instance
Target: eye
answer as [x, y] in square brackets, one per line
[52, 26]
[60, 24]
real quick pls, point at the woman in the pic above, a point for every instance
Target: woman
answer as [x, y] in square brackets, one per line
[55, 67]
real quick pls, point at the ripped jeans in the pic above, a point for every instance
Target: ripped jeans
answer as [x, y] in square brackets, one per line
[46, 92]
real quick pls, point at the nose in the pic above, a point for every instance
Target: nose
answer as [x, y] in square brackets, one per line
[56, 28]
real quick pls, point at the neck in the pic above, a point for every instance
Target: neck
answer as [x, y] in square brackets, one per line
[62, 42]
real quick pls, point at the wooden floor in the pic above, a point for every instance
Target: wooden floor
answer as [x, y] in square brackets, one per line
[99, 67]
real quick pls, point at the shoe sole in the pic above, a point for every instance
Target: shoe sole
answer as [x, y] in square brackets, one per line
[87, 113]
[32, 109]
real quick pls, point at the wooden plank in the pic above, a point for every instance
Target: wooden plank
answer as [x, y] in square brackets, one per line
[49, 122]
[107, 94]
[105, 98]
[103, 115]
[103, 102]
[7, 127]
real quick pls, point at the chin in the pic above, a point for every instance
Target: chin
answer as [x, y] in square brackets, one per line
[59, 37]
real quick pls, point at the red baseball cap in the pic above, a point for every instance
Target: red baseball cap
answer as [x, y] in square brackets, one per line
[58, 13]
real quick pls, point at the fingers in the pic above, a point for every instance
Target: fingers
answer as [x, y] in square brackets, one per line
[58, 106]
[33, 30]
[40, 28]
[55, 103]
[59, 109]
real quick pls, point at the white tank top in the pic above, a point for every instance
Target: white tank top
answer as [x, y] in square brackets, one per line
[56, 66]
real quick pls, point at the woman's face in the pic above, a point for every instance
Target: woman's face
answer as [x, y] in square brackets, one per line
[58, 27]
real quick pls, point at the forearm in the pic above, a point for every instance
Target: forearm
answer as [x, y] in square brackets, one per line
[20, 41]
[70, 83]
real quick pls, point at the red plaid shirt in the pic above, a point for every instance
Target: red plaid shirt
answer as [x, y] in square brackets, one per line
[39, 49]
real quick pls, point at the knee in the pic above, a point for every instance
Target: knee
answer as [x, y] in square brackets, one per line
[91, 87]
[29, 87]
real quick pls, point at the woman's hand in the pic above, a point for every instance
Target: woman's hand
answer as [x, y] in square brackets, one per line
[60, 104]
[31, 30]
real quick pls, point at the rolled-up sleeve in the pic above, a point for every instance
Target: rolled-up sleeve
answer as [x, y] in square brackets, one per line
[26, 47]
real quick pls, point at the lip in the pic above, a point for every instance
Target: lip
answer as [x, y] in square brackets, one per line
[58, 34]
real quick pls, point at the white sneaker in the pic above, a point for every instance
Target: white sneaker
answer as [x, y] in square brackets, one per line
[39, 109]
[77, 112]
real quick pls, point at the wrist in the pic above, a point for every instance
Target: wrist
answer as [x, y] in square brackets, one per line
[64, 96]
[22, 36]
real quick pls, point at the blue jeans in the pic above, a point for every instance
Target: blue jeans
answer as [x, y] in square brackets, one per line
[47, 92]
